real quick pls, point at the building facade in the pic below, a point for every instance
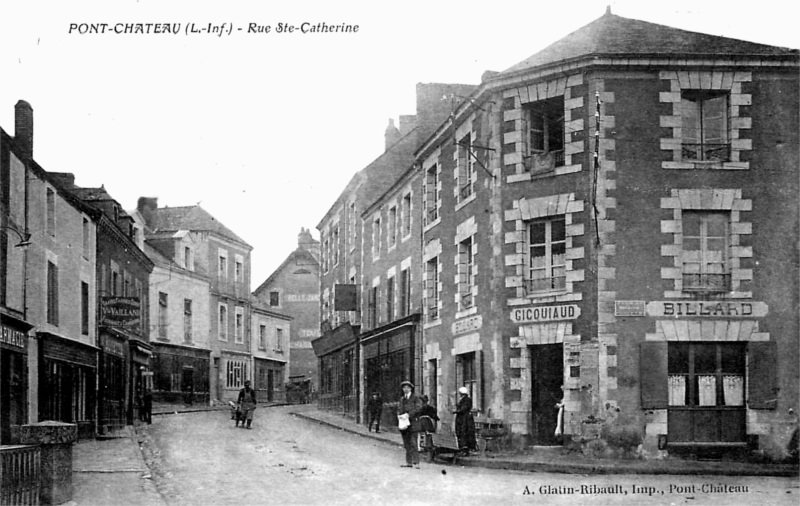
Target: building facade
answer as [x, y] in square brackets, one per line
[271, 353]
[293, 290]
[49, 292]
[222, 256]
[603, 238]
[391, 281]
[123, 337]
[179, 305]
[15, 340]
[344, 259]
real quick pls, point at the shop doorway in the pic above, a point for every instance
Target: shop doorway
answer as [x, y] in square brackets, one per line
[547, 378]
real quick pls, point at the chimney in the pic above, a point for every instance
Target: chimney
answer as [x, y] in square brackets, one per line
[391, 135]
[65, 180]
[146, 206]
[304, 239]
[407, 123]
[23, 128]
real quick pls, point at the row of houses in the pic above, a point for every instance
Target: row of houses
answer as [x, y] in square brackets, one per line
[610, 225]
[99, 305]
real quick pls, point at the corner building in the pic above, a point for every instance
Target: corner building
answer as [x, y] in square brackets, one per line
[600, 227]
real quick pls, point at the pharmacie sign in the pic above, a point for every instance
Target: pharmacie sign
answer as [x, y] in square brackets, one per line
[538, 314]
[13, 337]
[120, 311]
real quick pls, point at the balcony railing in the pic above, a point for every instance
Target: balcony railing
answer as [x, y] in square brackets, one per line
[706, 283]
[433, 312]
[546, 284]
[20, 468]
[465, 191]
[706, 152]
[544, 162]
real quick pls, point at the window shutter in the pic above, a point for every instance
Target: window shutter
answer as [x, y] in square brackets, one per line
[762, 378]
[653, 374]
[479, 377]
[523, 247]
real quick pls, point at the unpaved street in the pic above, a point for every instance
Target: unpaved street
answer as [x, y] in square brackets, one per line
[200, 458]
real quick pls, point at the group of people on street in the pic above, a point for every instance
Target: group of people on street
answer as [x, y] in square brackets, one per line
[411, 408]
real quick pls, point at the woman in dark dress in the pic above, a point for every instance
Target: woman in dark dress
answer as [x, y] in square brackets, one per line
[465, 423]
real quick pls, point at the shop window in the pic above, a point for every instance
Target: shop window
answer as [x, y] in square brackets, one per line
[706, 374]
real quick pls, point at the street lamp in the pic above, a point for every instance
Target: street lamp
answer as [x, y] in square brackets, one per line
[24, 237]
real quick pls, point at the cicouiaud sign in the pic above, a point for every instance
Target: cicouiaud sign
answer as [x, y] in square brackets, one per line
[536, 314]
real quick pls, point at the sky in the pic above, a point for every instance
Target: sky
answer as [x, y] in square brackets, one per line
[264, 130]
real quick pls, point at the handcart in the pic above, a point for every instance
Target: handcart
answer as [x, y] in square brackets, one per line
[432, 442]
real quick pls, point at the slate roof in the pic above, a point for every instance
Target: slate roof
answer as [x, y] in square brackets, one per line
[613, 35]
[195, 218]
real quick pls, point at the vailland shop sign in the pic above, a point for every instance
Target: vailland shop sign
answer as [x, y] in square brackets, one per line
[120, 311]
[538, 314]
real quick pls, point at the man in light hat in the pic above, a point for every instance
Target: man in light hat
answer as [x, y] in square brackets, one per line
[411, 405]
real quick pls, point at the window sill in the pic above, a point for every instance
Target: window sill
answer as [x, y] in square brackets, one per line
[431, 324]
[710, 165]
[432, 224]
[465, 201]
[467, 312]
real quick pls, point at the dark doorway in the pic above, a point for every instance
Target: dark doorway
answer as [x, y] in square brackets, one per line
[270, 385]
[187, 385]
[547, 378]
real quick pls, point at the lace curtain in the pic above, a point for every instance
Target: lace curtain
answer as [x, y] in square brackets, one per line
[733, 390]
[677, 390]
[707, 390]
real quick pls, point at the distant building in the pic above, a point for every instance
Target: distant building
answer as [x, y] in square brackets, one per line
[391, 285]
[179, 305]
[344, 287]
[293, 289]
[224, 258]
[271, 353]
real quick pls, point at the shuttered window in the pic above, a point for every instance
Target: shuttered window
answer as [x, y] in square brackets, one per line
[432, 289]
[466, 273]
